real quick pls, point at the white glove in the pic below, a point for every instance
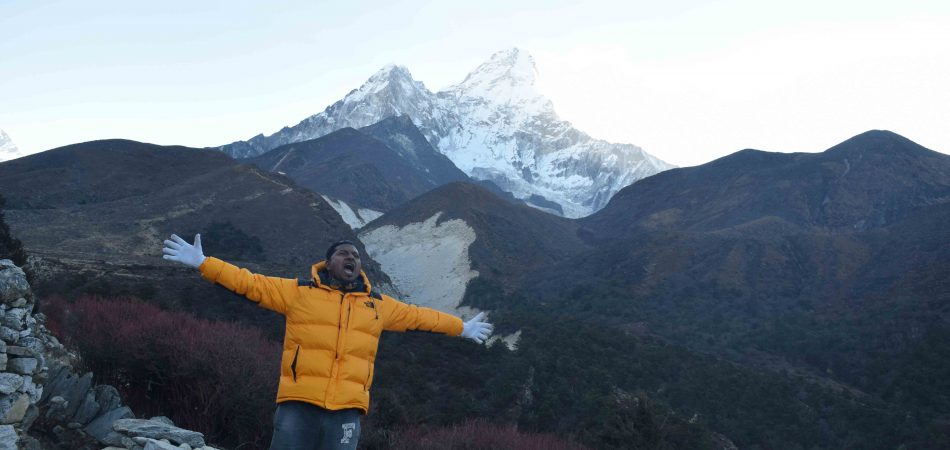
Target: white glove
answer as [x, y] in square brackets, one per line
[179, 250]
[477, 330]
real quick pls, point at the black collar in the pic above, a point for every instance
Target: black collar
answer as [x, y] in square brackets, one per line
[355, 286]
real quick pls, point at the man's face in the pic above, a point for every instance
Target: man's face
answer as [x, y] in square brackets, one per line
[344, 263]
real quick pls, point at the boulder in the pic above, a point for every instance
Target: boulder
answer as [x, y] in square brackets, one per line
[16, 350]
[158, 430]
[13, 283]
[14, 318]
[51, 341]
[10, 383]
[25, 366]
[30, 321]
[30, 388]
[32, 343]
[58, 378]
[29, 443]
[152, 444]
[76, 393]
[88, 409]
[13, 408]
[102, 425]
[57, 409]
[32, 413]
[107, 397]
[163, 419]
[114, 439]
[8, 437]
[9, 335]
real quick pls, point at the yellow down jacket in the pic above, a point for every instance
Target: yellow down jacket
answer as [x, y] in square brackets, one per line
[331, 337]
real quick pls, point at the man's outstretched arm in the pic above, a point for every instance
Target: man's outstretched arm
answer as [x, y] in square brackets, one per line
[269, 292]
[399, 316]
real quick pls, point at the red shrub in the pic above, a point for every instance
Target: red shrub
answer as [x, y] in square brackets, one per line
[214, 377]
[478, 435]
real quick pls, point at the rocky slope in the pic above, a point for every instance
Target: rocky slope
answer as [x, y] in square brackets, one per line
[94, 216]
[506, 242]
[377, 167]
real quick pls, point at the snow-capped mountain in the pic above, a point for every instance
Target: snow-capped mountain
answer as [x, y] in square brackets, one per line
[8, 150]
[390, 92]
[494, 125]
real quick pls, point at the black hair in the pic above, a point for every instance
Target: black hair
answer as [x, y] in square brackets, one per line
[337, 244]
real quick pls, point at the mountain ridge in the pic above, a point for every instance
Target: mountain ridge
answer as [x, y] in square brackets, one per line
[376, 167]
[850, 185]
[494, 126]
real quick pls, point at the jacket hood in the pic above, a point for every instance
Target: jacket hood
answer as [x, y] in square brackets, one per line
[322, 265]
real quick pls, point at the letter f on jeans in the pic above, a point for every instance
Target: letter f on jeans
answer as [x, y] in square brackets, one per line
[347, 432]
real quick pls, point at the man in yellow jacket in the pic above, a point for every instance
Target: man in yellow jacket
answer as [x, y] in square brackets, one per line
[334, 320]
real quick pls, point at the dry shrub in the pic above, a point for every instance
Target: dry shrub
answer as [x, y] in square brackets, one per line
[478, 435]
[214, 377]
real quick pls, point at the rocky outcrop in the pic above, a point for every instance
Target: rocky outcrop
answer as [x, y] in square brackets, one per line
[45, 403]
[23, 365]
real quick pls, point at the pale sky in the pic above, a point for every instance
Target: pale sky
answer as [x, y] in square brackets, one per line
[686, 81]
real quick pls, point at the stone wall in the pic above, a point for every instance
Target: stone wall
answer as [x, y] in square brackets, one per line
[46, 404]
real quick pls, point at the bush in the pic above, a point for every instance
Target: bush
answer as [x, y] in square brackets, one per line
[214, 377]
[478, 435]
[229, 242]
[10, 247]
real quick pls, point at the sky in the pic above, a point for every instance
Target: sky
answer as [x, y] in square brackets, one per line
[688, 81]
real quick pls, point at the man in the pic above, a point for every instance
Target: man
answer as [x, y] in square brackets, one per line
[334, 320]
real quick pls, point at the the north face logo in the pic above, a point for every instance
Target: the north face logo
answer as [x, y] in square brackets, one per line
[347, 432]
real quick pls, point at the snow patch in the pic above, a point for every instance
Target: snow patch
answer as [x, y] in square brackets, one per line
[8, 150]
[282, 158]
[510, 341]
[427, 261]
[355, 219]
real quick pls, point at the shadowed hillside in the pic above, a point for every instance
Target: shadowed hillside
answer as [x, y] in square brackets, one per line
[377, 167]
[96, 215]
[823, 269]
[871, 180]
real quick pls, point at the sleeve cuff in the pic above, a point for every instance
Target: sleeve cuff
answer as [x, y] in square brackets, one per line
[455, 326]
[211, 268]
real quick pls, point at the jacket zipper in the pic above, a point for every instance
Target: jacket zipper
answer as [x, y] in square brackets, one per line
[293, 365]
[369, 376]
[339, 331]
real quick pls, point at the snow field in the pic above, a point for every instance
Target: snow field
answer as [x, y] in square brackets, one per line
[427, 262]
[355, 219]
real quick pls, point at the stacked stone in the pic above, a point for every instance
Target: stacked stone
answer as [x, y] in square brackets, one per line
[157, 433]
[77, 410]
[22, 364]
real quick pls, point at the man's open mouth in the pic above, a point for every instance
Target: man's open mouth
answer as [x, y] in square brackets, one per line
[349, 268]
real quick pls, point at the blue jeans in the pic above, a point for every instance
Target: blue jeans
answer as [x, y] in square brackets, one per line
[302, 426]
